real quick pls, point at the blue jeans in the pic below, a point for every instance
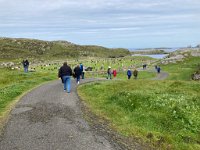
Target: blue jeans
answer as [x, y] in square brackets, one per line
[25, 68]
[67, 83]
[77, 79]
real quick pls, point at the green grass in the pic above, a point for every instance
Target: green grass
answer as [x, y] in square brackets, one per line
[165, 113]
[14, 83]
[182, 70]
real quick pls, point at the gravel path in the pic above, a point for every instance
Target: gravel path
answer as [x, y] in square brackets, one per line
[47, 118]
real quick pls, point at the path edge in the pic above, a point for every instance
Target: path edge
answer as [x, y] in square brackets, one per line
[6, 115]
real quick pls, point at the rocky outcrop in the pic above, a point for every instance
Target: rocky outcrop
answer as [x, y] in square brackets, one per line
[181, 54]
[196, 76]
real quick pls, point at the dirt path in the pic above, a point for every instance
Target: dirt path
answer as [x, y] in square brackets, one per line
[47, 118]
[161, 76]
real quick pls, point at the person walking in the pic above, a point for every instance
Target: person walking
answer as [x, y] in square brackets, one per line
[65, 73]
[25, 65]
[158, 69]
[82, 72]
[144, 66]
[129, 73]
[114, 73]
[135, 73]
[78, 72]
[109, 73]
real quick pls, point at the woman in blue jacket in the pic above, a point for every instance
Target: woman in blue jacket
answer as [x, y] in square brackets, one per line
[129, 73]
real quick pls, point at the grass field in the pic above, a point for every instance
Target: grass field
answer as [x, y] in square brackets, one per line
[165, 113]
[182, 70]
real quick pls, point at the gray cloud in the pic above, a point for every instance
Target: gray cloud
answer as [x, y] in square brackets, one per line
[83, 21]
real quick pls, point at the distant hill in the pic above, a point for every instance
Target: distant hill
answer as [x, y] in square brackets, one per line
[12, 48]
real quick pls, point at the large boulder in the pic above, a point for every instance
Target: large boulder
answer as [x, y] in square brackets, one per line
[196, 76]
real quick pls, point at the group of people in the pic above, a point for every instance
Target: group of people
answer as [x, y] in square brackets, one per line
[114, 72]
[110, 72]
[65, 73]
[135, 73]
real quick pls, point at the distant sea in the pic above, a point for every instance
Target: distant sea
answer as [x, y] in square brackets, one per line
[157, 56]
[165, 49]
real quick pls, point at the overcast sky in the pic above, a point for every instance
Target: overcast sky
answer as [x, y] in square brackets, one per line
[110, 23]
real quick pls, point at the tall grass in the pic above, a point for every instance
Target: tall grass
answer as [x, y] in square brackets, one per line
[165, 113]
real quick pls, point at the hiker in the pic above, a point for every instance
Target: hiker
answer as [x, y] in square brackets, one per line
[65, 73]
[135, 73]
[109, 73]
[25, 65]
[129, 73]
[144, 66]
[82, 73]
[158, 69]
[77, 71]
[114, 73]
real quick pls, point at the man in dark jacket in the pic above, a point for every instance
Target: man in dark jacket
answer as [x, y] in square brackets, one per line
[78, 72]
[25, 65]
[65, 73]
[158, 69]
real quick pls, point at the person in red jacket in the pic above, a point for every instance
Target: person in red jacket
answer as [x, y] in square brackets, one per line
[114, 73]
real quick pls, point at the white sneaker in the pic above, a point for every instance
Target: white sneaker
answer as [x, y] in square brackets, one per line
[78, 82]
